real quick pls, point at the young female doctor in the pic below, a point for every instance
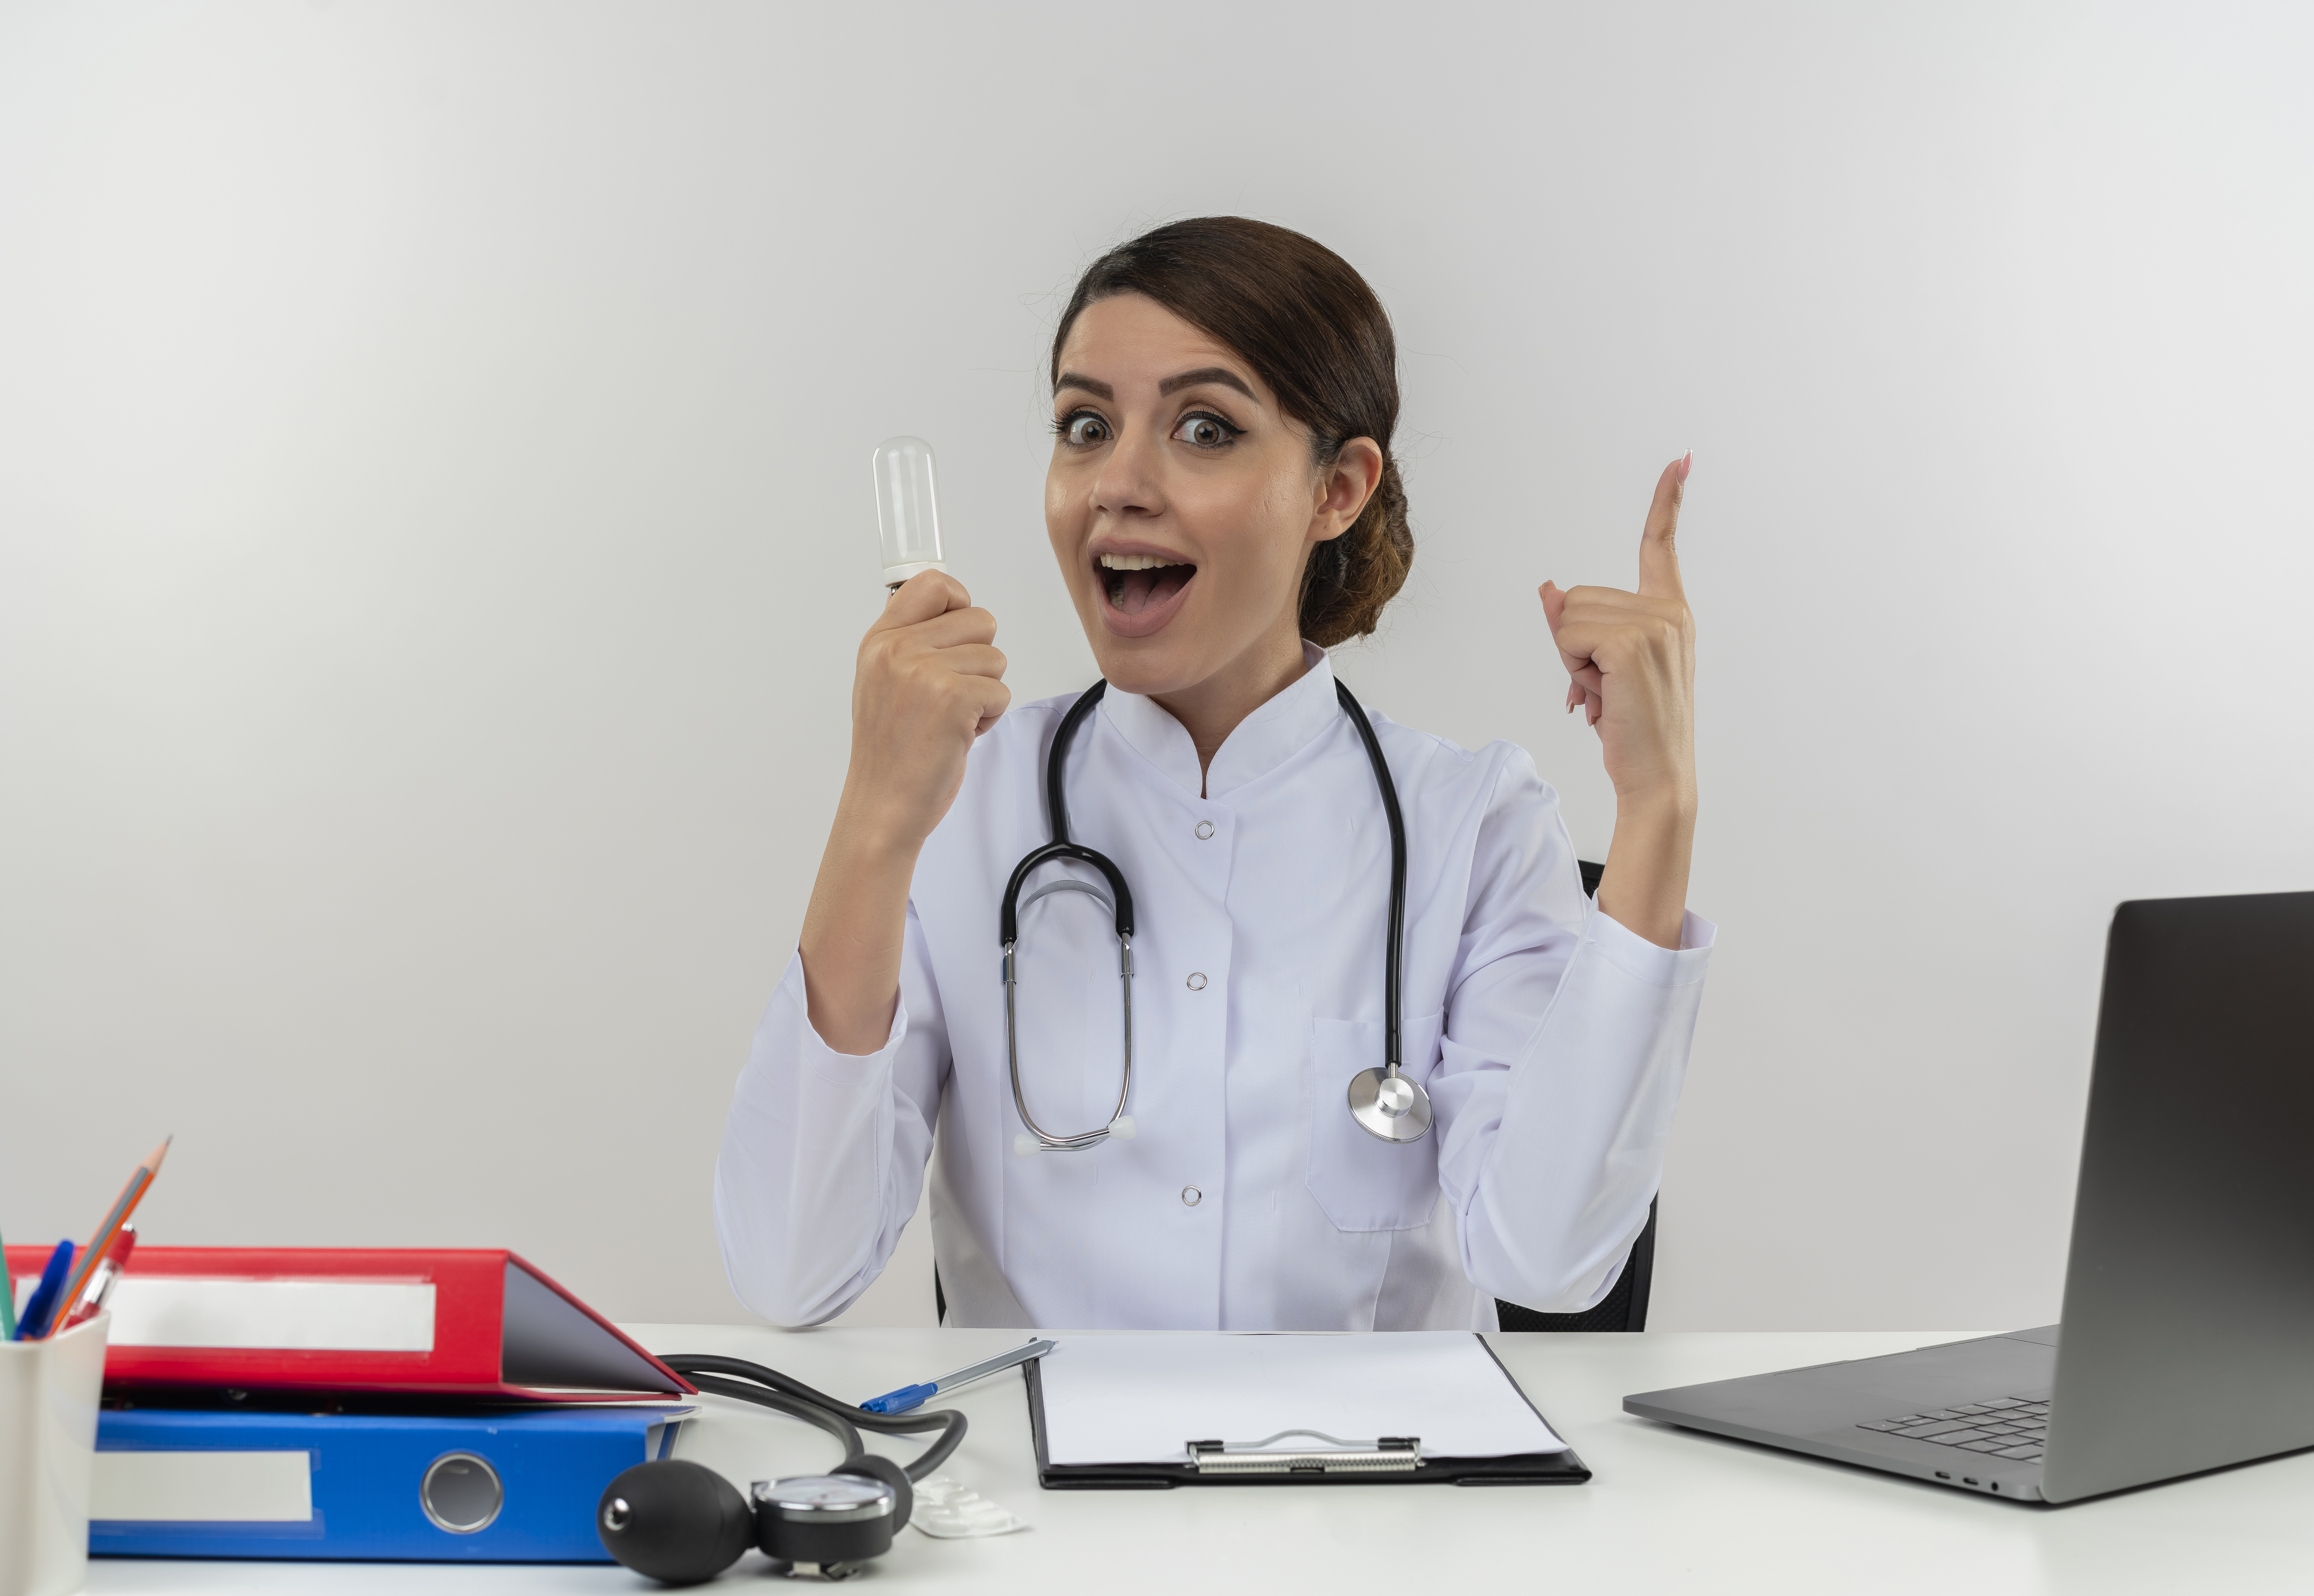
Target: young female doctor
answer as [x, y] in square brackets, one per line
[1224, 506]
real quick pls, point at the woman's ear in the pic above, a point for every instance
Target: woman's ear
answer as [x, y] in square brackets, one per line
[1345, 487]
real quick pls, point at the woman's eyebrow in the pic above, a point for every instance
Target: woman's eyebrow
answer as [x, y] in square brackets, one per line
[1070, 379]
[1206, 374]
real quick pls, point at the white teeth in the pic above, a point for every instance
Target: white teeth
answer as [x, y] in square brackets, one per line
[1136, 562]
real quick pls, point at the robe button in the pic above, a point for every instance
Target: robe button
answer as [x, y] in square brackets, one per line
[1191, 1196]
[1197, 981]
[1204, 830]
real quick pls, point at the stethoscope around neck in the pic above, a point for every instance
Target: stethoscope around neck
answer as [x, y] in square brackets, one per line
[1384, 1102]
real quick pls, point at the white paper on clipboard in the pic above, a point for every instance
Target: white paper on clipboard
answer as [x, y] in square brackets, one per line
[1141, 1398]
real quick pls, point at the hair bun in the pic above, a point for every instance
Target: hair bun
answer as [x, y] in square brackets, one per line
[1350, 580]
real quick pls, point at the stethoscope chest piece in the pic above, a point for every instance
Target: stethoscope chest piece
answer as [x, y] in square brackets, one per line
[1387, 1105]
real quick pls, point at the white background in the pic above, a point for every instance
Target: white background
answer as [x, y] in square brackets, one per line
[434, 525]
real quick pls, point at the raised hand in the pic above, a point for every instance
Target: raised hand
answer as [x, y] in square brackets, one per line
[928, 682]
[1631, 663]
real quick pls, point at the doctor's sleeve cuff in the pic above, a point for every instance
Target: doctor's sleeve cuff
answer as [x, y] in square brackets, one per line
[1642, 960]
[804, 1207]
[814, 1052]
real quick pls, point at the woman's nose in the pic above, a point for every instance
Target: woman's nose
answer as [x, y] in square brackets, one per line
[1127, 482]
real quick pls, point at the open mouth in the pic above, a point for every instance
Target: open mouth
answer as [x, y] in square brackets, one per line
[1138, 583]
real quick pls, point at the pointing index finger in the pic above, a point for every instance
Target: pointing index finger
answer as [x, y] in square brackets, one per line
[1658, 544]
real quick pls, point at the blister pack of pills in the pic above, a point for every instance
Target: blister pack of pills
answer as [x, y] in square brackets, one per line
[953, 1511]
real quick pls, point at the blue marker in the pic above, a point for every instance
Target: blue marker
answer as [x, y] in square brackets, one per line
[43, 1305]
[908, 1397]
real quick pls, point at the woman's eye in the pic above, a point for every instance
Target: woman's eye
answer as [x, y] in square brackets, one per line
[1084, 429]
[1205, 431]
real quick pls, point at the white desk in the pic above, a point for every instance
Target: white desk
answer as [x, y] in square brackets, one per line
[1669, 1510]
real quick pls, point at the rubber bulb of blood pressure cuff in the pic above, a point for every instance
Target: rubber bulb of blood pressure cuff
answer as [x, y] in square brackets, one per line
[908, 509]
[675, 1521]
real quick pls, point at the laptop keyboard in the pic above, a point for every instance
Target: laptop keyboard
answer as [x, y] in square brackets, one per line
[2004, 1427]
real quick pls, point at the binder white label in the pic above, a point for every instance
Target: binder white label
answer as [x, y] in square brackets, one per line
[202, 1488]
[367, 1316]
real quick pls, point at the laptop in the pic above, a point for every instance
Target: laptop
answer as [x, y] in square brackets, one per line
[2188, 1342]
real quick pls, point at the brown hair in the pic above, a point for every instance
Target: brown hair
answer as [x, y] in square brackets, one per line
[1307, 324]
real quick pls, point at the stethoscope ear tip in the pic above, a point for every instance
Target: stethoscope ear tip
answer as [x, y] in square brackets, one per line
[1025, 1146]
[1121, 1128]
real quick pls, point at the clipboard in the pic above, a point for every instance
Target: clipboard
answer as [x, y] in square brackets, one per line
[1299, 1458]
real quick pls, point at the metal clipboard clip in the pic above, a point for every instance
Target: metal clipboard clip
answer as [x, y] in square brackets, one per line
[1391, 1454]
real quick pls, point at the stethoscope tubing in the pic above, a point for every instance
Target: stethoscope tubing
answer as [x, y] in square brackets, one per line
[768, 1388]
[1121, 903]
[1076, 1143]
[1393, 945]
[1056, 798]
[1008, 928]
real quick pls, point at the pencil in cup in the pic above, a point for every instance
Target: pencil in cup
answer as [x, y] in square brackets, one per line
[139, 1183]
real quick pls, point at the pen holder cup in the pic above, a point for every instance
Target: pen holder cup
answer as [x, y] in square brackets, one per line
[49, 1392]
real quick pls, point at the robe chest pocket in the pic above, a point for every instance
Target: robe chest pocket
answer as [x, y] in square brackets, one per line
[1361, 1181]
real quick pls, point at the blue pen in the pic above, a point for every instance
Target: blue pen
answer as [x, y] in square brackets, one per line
[908, 1397]
[43, 1305]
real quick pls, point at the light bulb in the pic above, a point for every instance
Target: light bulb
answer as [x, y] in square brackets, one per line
[908, 509]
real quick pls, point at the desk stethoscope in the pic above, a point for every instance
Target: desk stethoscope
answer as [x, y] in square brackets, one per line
[1385, 1103]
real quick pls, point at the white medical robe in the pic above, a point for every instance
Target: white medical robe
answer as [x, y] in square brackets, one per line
[1552, 1042]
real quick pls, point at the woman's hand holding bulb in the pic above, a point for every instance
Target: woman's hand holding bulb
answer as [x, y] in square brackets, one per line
[930, 680]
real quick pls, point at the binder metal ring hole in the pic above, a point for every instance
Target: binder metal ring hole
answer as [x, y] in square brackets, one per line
[461, 1494]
